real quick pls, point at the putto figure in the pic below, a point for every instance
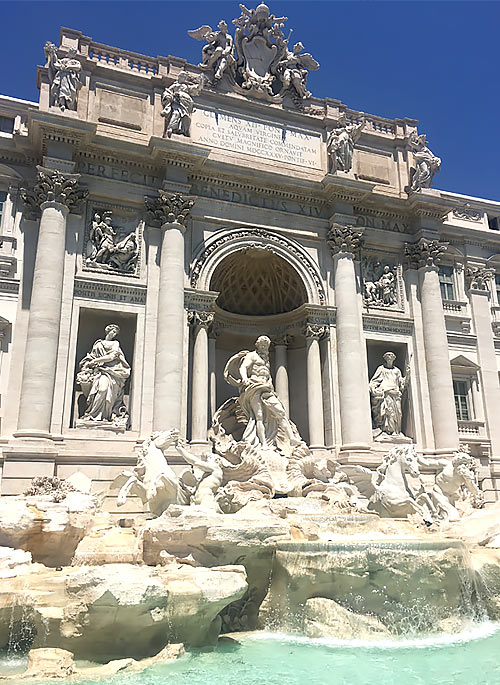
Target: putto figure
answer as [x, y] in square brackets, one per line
[340, 145]
[293, 70]
[427, 163]
[102, 376]
[64, 77]
[387, 386]
[250, 372]
[218, 54]
[178, 104]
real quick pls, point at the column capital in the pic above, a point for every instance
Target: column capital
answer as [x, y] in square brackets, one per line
[344, 239]
[315, 331]
[168, 208]
[424, 252]
[54, 186]
[478, 278]
[281, 339]
[200, 319]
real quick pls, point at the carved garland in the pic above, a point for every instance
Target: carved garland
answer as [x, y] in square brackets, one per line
[256, 233]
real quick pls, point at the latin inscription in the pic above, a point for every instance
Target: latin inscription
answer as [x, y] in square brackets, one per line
[384, 224]
[116, 173]
[256, 138]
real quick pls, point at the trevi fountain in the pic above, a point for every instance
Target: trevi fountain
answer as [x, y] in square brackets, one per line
[239, 445]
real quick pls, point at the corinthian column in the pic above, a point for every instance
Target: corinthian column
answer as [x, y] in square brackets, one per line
[354, 399]
[314, 333]
[171, 212]
[55, 194]
[201, 322]
[425, 255]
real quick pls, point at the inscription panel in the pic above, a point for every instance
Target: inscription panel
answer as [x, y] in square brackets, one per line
[257, 138]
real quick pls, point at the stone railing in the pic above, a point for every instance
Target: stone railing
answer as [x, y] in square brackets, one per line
[122, 59]
[455, 306]
[373, 123]
[470, 427]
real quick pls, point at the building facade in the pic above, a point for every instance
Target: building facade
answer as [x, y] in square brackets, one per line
[260, 210]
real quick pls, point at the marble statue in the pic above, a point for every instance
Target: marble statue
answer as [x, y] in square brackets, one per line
[328, 482]
[178, 104]
[208, 476]
[102, 376]
[293, 70]
[250, 372]
[340, 145]
[387, 488]
[64, 77]
[152, 479]
[218, 53]
[380, 284]
[387, 386]
[453, 476]
[104, 252]
[427, 163]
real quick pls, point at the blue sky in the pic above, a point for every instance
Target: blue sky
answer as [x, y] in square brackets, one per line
[437, 62]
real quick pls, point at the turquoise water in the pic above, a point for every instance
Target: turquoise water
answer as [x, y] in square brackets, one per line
[270, 659]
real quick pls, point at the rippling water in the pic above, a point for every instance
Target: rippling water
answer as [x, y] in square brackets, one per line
[470, 658]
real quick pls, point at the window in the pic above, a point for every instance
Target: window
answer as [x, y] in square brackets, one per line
[497, 287]
[446, 282]
[493, 223]
[462, 404]
[6, 125]
[3, 197]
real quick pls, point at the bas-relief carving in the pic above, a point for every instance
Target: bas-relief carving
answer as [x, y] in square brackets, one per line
[102, 377]
[380, 284]
[107, 249]
[427, 164]
[64, 77]
[466, 212]
[340, 145]
[387, 386]
[178, 104]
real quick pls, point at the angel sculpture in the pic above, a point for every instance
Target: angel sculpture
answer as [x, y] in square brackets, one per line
[178, 104]
[293, 69]
[427, 163]
[340, 145]
[218, 54]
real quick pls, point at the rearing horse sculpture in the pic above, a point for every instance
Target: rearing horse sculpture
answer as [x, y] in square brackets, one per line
[387, 488]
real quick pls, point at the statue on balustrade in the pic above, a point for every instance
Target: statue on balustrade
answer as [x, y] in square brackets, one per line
[340, 145]
[293, 68]
[64, 77]
[107, 254]
[380, 284]
[427, 163]
[178, 104]
[102, 377]
[387, 386]
[218, 54]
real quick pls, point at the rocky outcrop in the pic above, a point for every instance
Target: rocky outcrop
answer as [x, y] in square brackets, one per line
[50, 663]
[324, 618]
[49, 530]
[109, 545]
[482, 527]
[118, 610]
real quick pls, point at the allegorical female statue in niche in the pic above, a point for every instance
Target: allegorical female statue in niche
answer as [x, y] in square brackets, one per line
[387, 386]
[102, 376]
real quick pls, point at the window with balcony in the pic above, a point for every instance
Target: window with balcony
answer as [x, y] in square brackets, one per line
[447, 283]
[461, 390]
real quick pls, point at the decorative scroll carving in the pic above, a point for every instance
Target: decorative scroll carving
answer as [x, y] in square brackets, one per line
[380, 284]
[218, 53]
[178, 104]
[54, 186]
[466, 212]
[269, 238]
[427, 163]
[105, 252]
[197, 318]
[340, 145]
[315, 331]
[64, 77]
[168, 209]
[479, 277]
[344, 239]
[425, 252]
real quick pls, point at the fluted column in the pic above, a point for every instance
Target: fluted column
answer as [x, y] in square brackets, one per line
[55, 194]
[354, 400]
[200, 384]
[171, 211]
[479, 281]
[313, 334]
[425, 255]
[281, 374]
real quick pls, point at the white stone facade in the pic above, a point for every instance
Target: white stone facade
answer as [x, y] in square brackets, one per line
[246, 232]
